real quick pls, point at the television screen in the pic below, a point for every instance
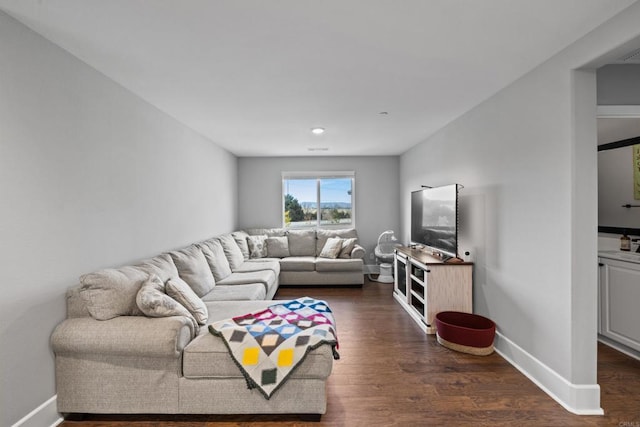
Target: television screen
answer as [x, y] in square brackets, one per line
[434, 218]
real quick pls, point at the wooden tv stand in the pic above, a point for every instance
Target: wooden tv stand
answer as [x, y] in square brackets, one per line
[425, 285]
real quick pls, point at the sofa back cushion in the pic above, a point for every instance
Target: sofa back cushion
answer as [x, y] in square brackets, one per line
[112, 292]
[231, 251]
[269, 232]
[193, 268]
[241, 240]
[277, 247]
[161, 265]
[302, 242]
[323, 235]
[218, 263]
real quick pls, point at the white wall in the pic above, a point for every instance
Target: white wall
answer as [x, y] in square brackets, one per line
[376, 191]
[619, 84]
[90, 177]
[527, 159]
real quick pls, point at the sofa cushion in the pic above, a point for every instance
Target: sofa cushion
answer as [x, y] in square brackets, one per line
[338, 265]
[267, 277]
[241, 240]
[277, 247]
[302, 242]
[217, 260]
[154, 302]
[111, 292]
[193, 268]
[178, 289]
[161, 265]
[270, 232]
[262, 276]
[246, 292]
[347, 247]
[323, 235]
[231, 251]
[258, 264]
[257, 246]
[332, 248]
[208, 357]
[300, 263]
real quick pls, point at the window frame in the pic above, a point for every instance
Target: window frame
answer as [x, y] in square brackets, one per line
[318, 176]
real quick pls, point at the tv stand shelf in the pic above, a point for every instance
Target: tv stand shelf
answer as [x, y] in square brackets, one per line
[426, 285]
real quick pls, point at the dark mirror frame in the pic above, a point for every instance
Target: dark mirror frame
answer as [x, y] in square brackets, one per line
[611, 146]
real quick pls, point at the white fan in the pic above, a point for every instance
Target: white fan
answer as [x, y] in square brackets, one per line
[387, 242]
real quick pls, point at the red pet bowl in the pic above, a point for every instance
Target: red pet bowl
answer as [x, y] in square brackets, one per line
[465, 332]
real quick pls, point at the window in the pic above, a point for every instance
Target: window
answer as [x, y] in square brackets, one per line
[318, 199]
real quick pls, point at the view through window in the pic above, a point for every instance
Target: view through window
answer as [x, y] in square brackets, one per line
[318, 199]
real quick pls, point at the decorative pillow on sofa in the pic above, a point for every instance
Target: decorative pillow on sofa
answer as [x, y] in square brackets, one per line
[257, 246]
[277, 247]
[112, 292]
[332, 248]
[178, 289]
[193, 268]
[347, 247]
[322, 236]
[154, 302]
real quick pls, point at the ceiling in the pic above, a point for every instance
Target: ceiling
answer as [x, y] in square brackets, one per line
[255, 76]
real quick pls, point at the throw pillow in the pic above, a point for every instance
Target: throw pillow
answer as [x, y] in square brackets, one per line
[194, 269]
[257, 246]
[332, 248]
[347, 247]
[112, 292]
[178, 289]
[323, 235]
[154, 302]
[277, 247]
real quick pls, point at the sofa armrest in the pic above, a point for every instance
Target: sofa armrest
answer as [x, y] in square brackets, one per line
[357, 252]
[123, 336]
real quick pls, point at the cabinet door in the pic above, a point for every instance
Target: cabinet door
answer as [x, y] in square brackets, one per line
[620, 293]
[400, 280]
[448, 289]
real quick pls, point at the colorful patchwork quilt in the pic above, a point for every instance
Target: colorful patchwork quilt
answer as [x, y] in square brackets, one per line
[268, 345]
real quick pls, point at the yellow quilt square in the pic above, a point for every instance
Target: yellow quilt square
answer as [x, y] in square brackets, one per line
[251, 356]
[285, 357]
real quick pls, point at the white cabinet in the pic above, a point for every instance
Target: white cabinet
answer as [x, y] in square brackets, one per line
[619, 296]
[425, 286]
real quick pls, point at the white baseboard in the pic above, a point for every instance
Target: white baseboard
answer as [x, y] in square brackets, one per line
[43, 416]
[580, 399]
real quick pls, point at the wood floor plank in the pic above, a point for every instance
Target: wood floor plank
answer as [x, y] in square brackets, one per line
[391, 374]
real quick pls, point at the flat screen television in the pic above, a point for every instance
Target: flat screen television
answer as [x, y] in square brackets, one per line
[434, 219]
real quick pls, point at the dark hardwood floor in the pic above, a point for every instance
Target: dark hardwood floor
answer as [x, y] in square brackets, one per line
[391, 374]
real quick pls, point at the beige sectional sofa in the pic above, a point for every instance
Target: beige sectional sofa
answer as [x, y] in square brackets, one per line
[114, 355]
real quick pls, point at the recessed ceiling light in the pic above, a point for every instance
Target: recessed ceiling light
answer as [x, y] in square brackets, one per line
[317, 131]
[318, 148]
